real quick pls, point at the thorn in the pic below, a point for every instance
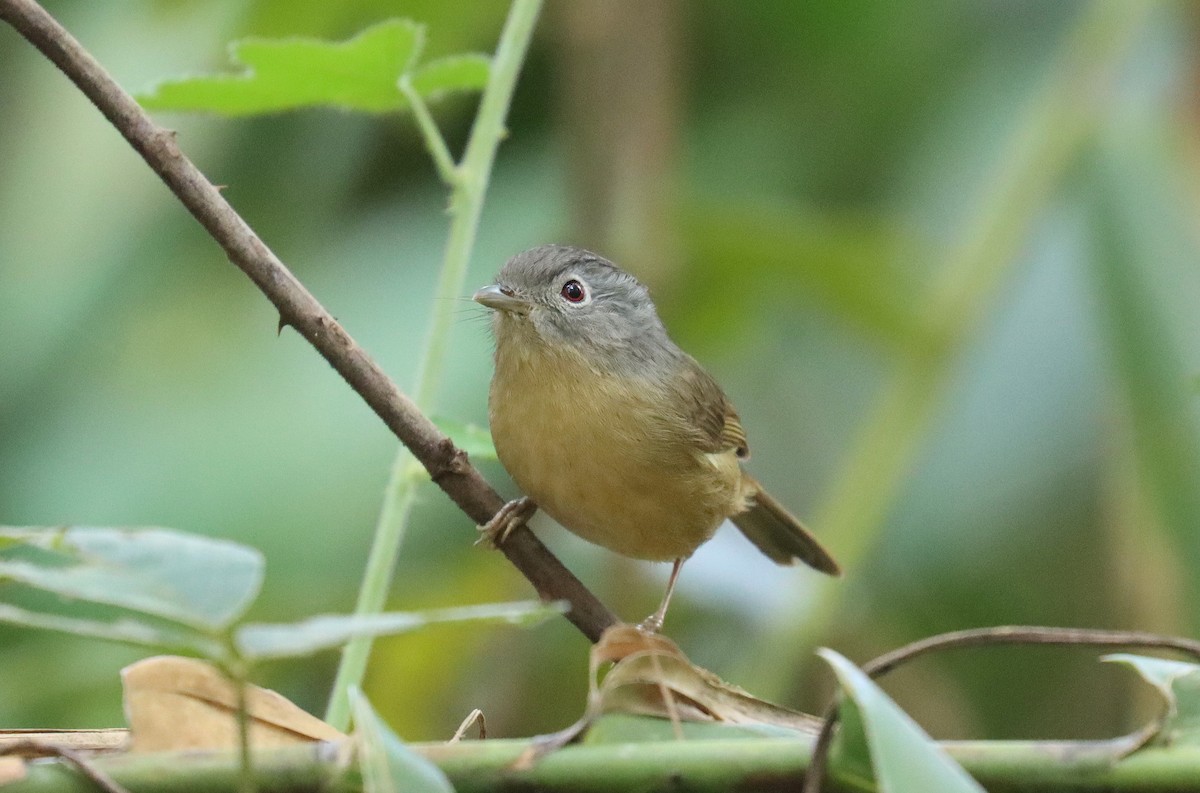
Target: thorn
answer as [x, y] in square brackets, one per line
[456, 464]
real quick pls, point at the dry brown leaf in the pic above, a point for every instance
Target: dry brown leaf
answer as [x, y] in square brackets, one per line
[652, 677]
[12, 769]
[82, 743]
[88, 741]
[174, 703]
[635, 685]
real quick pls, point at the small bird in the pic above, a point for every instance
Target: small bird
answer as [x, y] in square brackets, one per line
[611, 429]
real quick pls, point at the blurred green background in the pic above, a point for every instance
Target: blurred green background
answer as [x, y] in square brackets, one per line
[941, 255]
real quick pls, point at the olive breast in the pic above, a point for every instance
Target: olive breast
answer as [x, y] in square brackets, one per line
[604, 456]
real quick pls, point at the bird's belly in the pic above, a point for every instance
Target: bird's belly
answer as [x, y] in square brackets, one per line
[599, 480]
[633, 510]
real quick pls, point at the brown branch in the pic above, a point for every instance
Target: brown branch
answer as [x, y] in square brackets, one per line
[1026, 634]
[30, 750]
[977, 637]
[446, 463]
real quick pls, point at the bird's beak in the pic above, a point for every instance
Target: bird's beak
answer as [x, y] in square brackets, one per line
[497, 297]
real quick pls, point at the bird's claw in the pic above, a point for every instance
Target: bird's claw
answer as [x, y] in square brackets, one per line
[652, 624]
[513, 514]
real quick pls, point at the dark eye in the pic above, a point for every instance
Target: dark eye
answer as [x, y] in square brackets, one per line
[573, 291]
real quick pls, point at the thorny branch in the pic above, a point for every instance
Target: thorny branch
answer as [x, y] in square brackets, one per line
[298, 308]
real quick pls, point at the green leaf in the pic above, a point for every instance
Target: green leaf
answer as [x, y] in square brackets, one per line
[851, 751]
[287, 640]
[387, 764]
[476, 441]
[453, 73]
[1179, 685]
[902, 756]
[197, 581]
[125, 631]
[287, 74]
[12, 536]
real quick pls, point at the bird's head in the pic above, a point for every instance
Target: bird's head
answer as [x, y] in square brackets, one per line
[567, 296]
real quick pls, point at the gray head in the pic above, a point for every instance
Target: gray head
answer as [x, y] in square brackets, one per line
[569, 296]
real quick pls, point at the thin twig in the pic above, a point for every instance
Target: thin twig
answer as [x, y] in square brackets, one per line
[978, 637]
[245, 755]
[447, 464]
[432, 135]
[32, 749]
[473, 718]
[1028, 634]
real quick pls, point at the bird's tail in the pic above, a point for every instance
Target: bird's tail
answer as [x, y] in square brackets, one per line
[778, 534]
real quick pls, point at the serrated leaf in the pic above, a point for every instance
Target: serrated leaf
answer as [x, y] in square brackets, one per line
[260, 641]
[200, 582]
[467, 72]
[476, 441]
[124, 631]
[387, 764]
[287, 74]
[1179, 684]
[903, 757]
[360, 74]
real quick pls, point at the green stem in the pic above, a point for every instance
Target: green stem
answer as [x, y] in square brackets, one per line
[1060, 121]
[236, 670]
[434, 142]
[774, 763]
[466, 206]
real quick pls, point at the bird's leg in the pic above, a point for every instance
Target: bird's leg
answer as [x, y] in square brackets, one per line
[511, 515]
[654, 623]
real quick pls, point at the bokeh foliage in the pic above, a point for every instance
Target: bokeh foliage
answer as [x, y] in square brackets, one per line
[812, 170]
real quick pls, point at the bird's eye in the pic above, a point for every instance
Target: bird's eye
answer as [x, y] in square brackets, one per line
[573, 291]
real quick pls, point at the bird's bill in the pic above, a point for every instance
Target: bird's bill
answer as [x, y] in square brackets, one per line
[494, 297]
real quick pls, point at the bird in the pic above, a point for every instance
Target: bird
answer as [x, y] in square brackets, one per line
[610, 428]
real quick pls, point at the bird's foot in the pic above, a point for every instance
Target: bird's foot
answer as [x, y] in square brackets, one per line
[513, 514]
[652, 624]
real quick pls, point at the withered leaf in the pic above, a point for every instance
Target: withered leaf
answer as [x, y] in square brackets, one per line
[174, 703]
[652, 677]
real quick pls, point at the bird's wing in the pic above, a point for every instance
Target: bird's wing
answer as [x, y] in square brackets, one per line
[709, 413]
